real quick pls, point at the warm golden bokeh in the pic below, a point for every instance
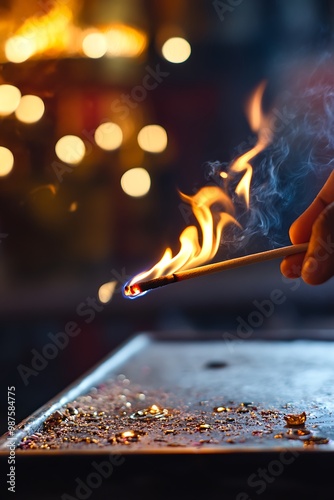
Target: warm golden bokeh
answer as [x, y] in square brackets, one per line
[94, 45]
[108, 136]
[153, 138]
[9, 99]
[70, 149]
[38, 34]
[56, 30]
[6, 161]
[136, 182]
[176, 50]
[125, 41]
[30, 110]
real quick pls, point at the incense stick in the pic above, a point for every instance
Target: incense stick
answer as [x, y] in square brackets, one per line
[137, 288]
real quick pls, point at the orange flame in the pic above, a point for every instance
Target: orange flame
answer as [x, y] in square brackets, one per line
[257, 122]
[192, 252]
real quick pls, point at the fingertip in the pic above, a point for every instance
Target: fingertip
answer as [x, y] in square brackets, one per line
[291, 266]
[298, 232]
[284, 268]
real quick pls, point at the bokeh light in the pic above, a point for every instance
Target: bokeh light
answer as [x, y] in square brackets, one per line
[106, 291]
[176, 50]
[9, 99]
[73, 207]
[6, 161]
[108, 136]
[125, 41]
[30, 110]
[19, 48]
[70, 149]
[94, 45]
[45, 32]
[153, 138]
[136, 182]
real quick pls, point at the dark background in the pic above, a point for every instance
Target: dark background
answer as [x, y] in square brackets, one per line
[53, 261]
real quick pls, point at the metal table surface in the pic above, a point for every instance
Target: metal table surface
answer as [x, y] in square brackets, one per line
[198, 372]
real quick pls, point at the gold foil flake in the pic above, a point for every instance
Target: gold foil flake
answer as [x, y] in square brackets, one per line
[295, 419]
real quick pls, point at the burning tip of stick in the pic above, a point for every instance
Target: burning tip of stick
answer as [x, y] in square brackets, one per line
[132, 291]
[135, 290]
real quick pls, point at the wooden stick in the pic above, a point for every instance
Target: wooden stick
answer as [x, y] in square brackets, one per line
[137, 288]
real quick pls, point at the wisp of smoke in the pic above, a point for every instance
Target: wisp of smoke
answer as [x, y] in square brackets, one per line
[289, 172]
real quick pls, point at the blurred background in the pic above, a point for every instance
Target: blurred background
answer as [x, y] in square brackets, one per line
[107, 109]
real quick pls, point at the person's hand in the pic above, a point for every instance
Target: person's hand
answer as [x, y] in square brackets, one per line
[315, 225]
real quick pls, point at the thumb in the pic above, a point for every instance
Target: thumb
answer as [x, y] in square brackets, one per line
[318, 265]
